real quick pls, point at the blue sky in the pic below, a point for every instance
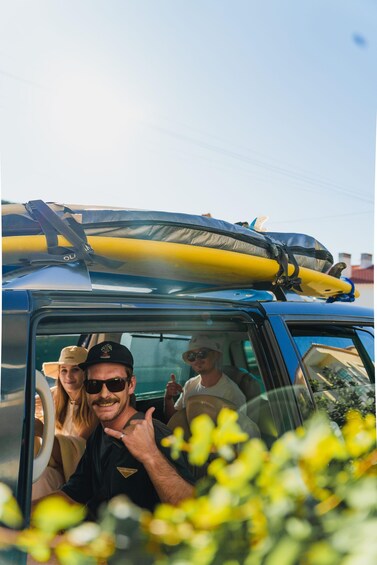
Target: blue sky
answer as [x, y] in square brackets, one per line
[238, 108]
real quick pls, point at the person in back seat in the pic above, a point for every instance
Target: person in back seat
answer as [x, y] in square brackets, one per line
[74, 421]
[204, 354]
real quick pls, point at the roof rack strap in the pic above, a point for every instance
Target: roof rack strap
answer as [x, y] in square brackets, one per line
[283, 279]
[52, 226]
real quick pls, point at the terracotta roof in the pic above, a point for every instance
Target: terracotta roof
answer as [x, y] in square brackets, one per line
[361, 275]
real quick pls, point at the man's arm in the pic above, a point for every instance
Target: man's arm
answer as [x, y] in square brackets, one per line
[139, 439]
[170, 486]
[169, 409]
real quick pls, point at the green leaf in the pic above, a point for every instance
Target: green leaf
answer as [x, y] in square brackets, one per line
[322, 553]
[285, 552]
[363, 494]
[69, 555]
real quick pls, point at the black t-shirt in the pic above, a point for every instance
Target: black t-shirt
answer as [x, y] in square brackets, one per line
[107, 468]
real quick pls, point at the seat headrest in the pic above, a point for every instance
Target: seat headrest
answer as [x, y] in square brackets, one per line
[246, 382]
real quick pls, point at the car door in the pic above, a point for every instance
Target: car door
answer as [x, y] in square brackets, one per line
[333, 359]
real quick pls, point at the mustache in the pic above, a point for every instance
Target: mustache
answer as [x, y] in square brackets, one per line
[101, 402]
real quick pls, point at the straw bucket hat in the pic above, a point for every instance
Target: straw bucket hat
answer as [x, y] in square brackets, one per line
[196, 405]
[71, 355]
[210, 405]
[205, 340]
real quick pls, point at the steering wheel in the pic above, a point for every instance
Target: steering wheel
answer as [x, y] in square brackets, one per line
[43, 457]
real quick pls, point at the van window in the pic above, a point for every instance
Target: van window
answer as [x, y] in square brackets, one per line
[252, 365]
[339, 367]
[156, 356]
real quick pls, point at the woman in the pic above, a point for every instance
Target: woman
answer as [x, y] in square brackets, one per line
[74, 421]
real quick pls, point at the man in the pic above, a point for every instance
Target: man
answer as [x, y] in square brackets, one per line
[124, 454]
[204, 355]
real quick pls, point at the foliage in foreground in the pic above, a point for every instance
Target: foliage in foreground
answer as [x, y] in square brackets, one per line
[310, 500]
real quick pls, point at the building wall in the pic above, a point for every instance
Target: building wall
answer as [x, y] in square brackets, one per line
[364, 273]
[366, 295]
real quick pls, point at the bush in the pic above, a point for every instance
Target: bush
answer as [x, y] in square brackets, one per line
[310, 500]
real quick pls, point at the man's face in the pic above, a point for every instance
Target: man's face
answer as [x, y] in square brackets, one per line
[109, 405]
[207, 364]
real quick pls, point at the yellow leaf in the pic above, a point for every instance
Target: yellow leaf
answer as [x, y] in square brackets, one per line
[10, 512]
[201, 439]
[176, 442]
[55, 513]
[36, 543]
[69, 555]
[228, 431]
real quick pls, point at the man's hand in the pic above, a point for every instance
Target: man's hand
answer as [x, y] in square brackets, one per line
[138, 437]
[172, 388]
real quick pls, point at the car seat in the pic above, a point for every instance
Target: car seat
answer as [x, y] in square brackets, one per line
[249, 385]
[258, 407]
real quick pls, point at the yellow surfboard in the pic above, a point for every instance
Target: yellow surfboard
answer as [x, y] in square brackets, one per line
[181, 262]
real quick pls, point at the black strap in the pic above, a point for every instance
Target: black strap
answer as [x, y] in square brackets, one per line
[52, 226]
[283, 279]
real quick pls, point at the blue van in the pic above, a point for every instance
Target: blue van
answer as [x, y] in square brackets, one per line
[289, 355]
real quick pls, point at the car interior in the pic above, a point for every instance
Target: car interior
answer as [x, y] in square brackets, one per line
[158, 354]
[158, 342]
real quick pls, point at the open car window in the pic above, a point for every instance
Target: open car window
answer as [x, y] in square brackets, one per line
[338, 365]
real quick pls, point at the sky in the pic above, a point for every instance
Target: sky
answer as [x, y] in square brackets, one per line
[237, 108]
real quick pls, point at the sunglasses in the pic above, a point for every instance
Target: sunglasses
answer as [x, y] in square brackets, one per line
[93, 386]
[191, 356]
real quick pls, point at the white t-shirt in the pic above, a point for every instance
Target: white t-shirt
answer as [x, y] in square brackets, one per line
[224, 388]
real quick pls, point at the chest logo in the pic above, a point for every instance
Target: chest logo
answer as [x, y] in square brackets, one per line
[126, 471]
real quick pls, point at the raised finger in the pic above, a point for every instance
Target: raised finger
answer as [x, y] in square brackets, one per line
[148, 414]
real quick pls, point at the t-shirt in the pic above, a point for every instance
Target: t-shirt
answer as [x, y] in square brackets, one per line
[107, 469]
[224, 388]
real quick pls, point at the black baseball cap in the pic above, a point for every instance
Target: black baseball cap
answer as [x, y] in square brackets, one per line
[108, 352]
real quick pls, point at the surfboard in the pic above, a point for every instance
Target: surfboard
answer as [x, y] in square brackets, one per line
[180, 262]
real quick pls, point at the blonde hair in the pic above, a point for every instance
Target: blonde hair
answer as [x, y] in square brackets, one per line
[83, 418]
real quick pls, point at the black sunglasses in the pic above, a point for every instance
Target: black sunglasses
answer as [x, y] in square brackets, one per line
[191, 356]
[93, 386]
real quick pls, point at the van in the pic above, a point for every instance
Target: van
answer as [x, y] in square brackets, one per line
[290, 355]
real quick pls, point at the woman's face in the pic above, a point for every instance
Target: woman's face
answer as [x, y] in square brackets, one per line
[71, 377]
